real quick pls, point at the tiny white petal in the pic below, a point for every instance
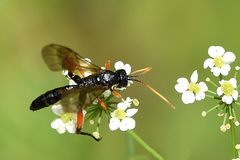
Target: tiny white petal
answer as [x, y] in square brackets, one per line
[203, 86]
[233, 81]
[130, 123]
[107, 93]
[70, 126]
[227, 99]
[71, 82]
[56, 123]
[235, 95]
[182, 85]
[57, 109]
[200, 96]
[225, 69]
[219, 91]
[126, 124]
[114, 124]
[118, 65]
[61, 129]
[188, 97]
[127, 68]
[215, 51]
[229, 57]
[131, 112]
[208, 63]
[216, 71]
[122, 106]
[194, 77]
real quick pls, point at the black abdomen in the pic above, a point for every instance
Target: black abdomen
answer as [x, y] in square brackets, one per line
[47, 99]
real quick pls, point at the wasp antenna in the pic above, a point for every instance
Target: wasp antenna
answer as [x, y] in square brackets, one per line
[141, 71]
[156, 92]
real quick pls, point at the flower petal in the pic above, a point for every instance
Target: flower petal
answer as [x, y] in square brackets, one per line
[119, 65]
[235, 95]
[208, 63]
[182, 85]
[203, 86]
[194, 77]
[188, 97]
[227, 99]
[225, 69]
[130, 123]
[216, 71]
[57, 109]
[131, 112]
[57, 123]
[215, 51]
[107, 93]
[61, 129]
[126, 124]
[114, 124]
[229, 57]
[233, 81]
[219, 91]
[200, 96]
[122, 106]
[127, 68]
[71, 127]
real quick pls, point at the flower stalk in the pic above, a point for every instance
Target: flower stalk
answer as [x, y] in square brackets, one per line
[153, 152]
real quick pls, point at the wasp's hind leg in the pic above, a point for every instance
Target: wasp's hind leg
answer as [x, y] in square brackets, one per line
[88, 134]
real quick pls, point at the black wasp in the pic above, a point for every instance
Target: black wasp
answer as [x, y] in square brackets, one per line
[91, 81]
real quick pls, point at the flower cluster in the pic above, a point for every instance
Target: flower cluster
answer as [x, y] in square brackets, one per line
[119, 111]
[225, 91]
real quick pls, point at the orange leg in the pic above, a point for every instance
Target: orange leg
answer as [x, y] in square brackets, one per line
[102, 104]
[80, 118]
[116, 94]
[108, 64]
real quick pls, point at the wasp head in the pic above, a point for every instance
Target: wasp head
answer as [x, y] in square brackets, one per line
[122, 78]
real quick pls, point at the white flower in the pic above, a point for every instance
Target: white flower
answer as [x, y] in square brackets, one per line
[121, 118]
[228, 90]
[191, 91]
[127, 102]
[220, 61]
[120, 65]
[66, 122]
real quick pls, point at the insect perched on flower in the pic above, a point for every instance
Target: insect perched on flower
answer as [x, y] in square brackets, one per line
[91, 88]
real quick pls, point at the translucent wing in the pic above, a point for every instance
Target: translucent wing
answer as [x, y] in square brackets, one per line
[76, 101]
[59, 58]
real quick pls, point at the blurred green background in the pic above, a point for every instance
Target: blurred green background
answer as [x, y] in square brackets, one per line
[171, 36]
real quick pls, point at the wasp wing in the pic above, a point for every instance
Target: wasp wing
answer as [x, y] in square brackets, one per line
[60, 58]
[76, 101]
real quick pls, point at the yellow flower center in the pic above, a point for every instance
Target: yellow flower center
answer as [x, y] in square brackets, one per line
[218, 62]
[227, 88]
[120, 114]
[66, 117]
[194, 87]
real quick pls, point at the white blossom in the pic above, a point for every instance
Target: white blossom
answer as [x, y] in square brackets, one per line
[192, 90]
[220, 61]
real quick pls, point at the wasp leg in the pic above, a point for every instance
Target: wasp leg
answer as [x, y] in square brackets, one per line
[108, 64]
[73, 77]
[87, 134]
[115, 93]
[102, 104]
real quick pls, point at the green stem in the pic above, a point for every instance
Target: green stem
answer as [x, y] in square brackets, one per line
[130, 147]
[233, 139]
[145, 145]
